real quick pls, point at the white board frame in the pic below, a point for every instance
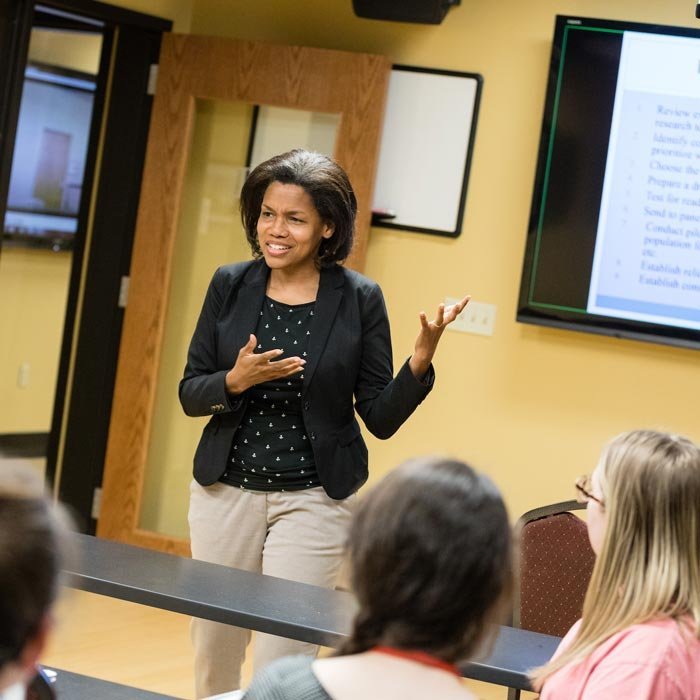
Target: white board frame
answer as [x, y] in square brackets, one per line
[426, 150]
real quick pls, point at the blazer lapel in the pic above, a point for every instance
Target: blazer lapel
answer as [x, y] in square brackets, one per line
[330, 293]
[249, 301]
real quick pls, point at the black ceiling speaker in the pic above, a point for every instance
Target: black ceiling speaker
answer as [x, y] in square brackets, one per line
[423, 11]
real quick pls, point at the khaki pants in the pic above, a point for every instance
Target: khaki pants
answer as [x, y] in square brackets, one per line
[296, 535]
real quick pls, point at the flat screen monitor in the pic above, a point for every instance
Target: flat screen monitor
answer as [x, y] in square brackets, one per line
[48, 164]
[613, 244]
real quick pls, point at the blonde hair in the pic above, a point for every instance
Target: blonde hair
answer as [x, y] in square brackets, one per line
[649, 563]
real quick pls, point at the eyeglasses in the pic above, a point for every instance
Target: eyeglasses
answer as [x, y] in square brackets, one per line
[584, 491]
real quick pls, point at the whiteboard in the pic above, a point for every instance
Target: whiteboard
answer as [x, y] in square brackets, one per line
[425, 150]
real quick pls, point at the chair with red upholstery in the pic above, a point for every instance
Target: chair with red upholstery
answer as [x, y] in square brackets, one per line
[556, 562]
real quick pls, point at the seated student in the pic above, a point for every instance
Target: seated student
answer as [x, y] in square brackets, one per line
[430, 556]
[32, 533]
[639, 634]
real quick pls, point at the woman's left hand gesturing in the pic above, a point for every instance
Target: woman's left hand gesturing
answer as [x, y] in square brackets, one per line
[429, 336]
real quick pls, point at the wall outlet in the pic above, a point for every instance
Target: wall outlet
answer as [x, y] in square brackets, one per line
[477, 317]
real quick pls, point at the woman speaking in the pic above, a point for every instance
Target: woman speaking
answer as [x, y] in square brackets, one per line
[282, 346]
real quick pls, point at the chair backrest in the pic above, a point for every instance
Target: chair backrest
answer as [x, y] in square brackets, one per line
[556, 562]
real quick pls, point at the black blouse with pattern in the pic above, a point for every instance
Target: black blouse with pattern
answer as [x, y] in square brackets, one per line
[271, 451]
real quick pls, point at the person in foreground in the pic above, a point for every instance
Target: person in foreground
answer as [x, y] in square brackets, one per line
[286, 348]
[430, 557]
[32, 546]
[639, 636]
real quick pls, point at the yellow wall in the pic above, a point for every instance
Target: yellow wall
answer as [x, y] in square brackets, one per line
[74, 50]
[33, 283]
[177, 11]
[33, 289]
[532, 406]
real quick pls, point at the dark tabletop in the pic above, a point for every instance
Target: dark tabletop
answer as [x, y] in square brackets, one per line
[265, 603]
[73, 686]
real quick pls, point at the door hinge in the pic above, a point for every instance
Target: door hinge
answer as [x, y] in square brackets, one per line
[96, 503]
[123, 292]
[152, 79]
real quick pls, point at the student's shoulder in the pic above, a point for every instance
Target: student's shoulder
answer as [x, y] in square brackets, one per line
[657, 638]
[656, 659]
[669, 649]
[286, 679]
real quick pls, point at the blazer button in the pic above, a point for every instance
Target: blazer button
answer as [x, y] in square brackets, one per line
[307, 404]
[313, 436]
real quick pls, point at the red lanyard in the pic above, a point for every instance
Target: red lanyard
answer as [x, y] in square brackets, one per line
[420, 657]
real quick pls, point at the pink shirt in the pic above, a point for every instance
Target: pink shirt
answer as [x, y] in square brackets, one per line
[653, 661]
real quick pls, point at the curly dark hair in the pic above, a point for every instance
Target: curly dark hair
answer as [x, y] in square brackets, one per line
[431, 558]
[323, 180]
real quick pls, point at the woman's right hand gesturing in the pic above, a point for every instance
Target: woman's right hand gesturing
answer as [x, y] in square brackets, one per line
[254, 368]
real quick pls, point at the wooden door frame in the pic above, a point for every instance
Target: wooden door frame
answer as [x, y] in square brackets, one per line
[197, 67]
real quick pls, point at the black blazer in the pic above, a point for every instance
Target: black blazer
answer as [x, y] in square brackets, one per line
[349, 354]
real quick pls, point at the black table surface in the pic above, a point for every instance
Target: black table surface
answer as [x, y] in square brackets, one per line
[265, 603]
[73, 686]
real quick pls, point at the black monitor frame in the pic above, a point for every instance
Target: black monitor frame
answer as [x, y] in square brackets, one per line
[536, 311]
